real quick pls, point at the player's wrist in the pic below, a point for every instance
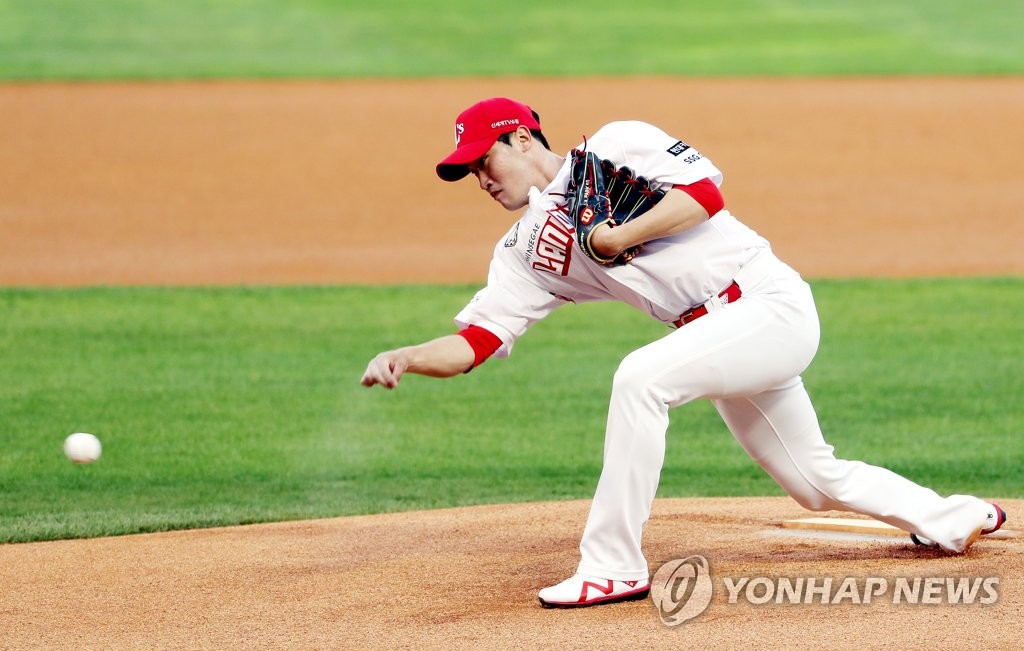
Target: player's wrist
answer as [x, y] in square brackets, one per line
[624, 237]
[605, 241]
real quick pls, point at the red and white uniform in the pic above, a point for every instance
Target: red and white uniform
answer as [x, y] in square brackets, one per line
[745, 356]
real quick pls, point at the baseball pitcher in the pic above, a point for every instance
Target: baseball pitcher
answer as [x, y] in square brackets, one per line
[635, 215]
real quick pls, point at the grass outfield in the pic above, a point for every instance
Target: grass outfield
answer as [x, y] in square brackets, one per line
[157, 39]
[227, 406]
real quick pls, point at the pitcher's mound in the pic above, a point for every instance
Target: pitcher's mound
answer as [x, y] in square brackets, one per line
[468, 578]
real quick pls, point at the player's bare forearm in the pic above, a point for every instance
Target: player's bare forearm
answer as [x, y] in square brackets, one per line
[442, 357]
[675, 213]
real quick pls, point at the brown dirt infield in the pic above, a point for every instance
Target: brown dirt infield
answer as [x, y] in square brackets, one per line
[333, 182]
[327, 183]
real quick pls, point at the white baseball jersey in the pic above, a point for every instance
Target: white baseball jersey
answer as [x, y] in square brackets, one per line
[538, 266]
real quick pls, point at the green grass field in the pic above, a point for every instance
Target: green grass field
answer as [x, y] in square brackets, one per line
[156, 39]
[223, 406]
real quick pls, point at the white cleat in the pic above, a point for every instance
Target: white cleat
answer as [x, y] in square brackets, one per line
[993, 521]
[581, 590]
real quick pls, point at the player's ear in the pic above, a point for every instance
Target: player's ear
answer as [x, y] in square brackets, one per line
[523, 138]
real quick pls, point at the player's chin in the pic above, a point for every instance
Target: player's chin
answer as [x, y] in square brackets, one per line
[510, 202]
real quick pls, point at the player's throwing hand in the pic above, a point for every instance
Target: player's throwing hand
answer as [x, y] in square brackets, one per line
[385, 369]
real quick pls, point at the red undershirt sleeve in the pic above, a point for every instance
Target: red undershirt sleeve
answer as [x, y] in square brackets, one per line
[706, 193]
[483, 341]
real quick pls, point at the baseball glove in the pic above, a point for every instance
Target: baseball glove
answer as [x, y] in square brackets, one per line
[598, 194]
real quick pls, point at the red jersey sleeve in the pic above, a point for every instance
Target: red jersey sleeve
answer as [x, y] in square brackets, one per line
[483, 341]
[706, 193]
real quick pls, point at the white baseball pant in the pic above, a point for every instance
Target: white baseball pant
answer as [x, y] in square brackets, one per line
[746, 357]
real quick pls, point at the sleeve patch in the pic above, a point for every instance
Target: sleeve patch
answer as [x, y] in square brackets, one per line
[678, 148]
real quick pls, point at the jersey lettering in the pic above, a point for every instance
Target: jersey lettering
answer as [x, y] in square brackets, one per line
[554, 248]
[561, 211]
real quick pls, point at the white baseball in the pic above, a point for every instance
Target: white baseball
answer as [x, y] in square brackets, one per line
[81, 447]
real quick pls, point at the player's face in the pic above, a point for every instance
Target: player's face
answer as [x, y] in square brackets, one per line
[506, 173]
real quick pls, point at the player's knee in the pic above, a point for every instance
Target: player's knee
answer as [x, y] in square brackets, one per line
[813, 500]
[823, 487]
[632, 377]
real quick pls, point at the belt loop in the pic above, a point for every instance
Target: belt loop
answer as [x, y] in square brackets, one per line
[713, 303]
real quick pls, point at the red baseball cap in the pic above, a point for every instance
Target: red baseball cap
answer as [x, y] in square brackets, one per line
[477, 129]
